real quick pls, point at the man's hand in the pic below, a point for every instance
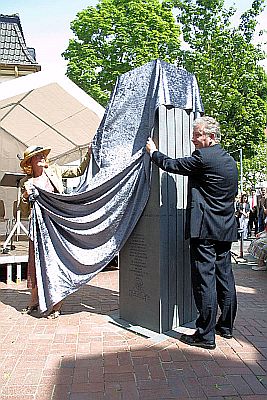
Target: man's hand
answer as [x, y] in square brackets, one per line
[150, 146]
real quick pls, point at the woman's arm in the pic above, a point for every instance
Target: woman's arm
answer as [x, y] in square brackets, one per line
[26, 188]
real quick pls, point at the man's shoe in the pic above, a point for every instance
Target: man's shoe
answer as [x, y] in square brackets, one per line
[195, 340]
[225, 335]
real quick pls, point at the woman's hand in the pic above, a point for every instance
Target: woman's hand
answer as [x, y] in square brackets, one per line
[28, 186]
[89, 151]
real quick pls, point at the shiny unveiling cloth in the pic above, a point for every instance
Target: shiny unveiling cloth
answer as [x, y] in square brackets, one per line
[75, 236]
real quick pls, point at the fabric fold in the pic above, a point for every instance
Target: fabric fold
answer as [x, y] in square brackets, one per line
[75, 236]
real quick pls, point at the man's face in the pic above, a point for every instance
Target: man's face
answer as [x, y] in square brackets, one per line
[200, 139]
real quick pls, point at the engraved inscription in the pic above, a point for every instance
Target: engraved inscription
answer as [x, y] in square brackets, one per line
[138, 265]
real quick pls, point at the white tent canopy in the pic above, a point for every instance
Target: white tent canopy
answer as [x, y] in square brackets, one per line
[47, 110]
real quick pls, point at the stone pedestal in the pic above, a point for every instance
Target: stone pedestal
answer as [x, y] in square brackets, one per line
[155, 281]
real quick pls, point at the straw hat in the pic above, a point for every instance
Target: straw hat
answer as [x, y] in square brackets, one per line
[32, 151]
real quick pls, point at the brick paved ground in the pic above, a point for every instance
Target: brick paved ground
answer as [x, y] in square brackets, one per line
[83, 356]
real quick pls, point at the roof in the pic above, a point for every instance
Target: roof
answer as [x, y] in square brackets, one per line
[48, 110]
[13, 49]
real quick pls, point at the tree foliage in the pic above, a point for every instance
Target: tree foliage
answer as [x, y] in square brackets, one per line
[117, 36]
[254, 168]
[232, 84]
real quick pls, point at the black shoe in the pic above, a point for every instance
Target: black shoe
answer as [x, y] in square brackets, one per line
[225, 335]
[194, 340]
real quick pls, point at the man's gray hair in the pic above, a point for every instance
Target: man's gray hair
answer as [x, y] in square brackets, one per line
[210, 126]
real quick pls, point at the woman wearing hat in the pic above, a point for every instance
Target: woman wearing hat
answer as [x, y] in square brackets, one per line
[49, 178]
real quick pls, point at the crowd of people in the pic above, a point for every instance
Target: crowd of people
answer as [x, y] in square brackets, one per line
[251, 212]
[251, 217]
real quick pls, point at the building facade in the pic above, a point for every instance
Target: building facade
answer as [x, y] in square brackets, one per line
[16, 59]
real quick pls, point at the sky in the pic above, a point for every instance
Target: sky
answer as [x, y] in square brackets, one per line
[46, 25]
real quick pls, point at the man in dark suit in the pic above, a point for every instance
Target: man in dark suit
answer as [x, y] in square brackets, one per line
[211, 227]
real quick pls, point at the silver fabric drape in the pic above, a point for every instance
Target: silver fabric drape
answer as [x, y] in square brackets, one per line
[76, 235]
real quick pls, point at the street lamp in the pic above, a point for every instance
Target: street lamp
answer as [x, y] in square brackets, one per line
[241, 169]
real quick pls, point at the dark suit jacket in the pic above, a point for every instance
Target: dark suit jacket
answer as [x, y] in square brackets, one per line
[212, 187]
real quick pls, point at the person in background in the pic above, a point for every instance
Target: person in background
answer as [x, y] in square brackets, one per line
[253, 215]
[244, 210]
[39, 173]
[262, 209]
[211, 227]
[236, 208]
[258, 249]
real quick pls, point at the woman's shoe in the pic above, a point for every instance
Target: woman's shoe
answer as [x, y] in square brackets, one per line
[259, 267]
[29, 309]
[54, 314]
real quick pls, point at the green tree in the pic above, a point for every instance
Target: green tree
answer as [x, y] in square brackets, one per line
[232, 84]
[117, 36]
[254, 168]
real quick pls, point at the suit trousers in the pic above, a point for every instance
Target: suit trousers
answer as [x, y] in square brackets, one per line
[213, 284]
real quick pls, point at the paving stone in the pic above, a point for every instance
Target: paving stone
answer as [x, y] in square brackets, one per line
[81, 356]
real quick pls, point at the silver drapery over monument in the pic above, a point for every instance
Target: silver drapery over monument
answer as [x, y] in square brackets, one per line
[75, 236]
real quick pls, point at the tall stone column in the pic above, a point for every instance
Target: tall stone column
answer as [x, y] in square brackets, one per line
[155, 279]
